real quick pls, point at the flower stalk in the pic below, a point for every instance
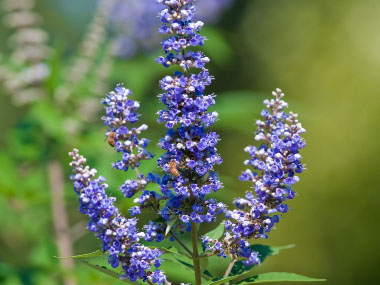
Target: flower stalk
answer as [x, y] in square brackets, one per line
[197, 267]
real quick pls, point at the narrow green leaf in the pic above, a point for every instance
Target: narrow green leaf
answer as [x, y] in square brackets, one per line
[278, 277]
[225, 279]
[83, 256]
[102, 269]
[216, 233]
[180, 269]
[217, 265]
[170, 225]
[173, 250]
[270, 250]
[110, 272]
[264, 252]
[203, 263]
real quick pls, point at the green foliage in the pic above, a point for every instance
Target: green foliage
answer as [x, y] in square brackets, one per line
[169, 226]
[83, 256]
[218, 265]
[49, 119]
[225, 279]
[216, 233]
[179, 270]
[264, 252]
[235, 108]
[264, 278]
[174, 250]
[105, 270]
[278, 277]
[203, 264]
[217, 46]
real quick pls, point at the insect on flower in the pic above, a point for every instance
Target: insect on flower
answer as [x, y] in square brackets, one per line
[173, 168]
[188, 165]
[111, 138]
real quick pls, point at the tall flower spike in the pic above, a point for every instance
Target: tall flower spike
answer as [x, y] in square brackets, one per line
[190, 149]
[25, 70]
[135, 22]
[119, 235]
[121, 112]
[276, 163]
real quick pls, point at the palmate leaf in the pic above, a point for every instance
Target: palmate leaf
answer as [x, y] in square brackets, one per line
[278, 277]
[264, 251]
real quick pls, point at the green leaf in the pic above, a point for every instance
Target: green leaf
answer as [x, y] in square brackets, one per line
[216, 233]
[97, 260]
[49, 118]
[102, 269]
[170, 225]
[110, 272]
[83, 256]
[174, 250]
[278, 277]
[264, 251]
[203, 264]
[218, 265]
[270, 250]
[179, 270]
[225, 279]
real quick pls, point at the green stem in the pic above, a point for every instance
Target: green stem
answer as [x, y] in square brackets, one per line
[229, 269]
[171, 232]
[206, 255]
[197, 268]
[181, 243]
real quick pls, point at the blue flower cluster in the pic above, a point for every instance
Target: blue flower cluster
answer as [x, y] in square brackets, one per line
[276, 164]
[188, 162]
[135, 22]
[155, 231]
[120, 111]
[190, 149]
[119, 235]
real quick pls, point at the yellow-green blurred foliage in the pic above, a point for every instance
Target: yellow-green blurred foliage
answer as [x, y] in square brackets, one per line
[325, 55]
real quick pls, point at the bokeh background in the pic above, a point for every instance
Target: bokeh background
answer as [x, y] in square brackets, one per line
[324, 54]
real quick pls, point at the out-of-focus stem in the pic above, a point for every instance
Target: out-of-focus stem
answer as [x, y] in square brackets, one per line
[197, 268]
[228, 271]
[60, 220]
[207, 255]
[181, 243]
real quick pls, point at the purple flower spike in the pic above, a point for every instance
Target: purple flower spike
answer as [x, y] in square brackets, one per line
[275, 165]
[190, 147]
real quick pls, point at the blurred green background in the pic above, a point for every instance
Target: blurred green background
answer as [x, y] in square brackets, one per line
[324, 54]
